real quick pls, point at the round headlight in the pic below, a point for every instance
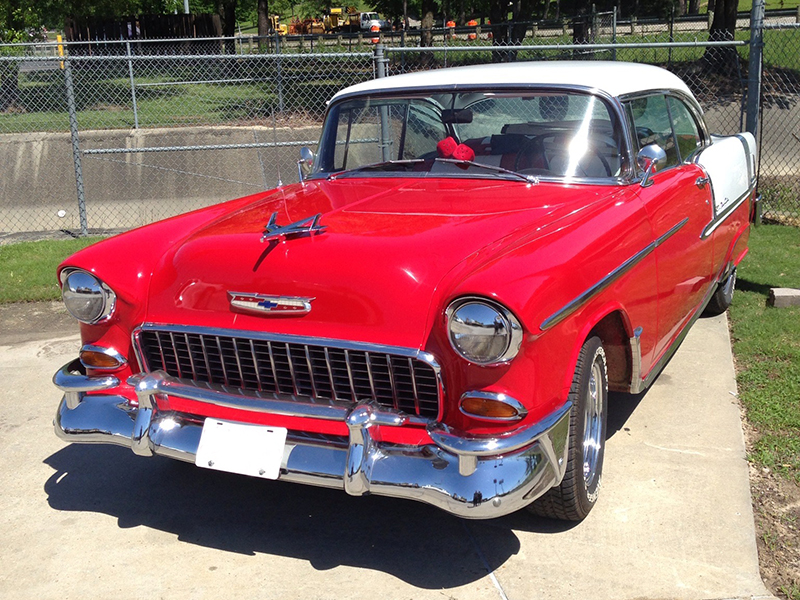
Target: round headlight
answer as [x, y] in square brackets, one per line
[86, 297]
[483, 331]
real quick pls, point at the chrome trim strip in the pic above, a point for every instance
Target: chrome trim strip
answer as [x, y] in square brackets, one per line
[221, 361]
[272, 365]
[314, 393]
[110, 352]
[718, 220]
[191, 356]
[330, 374]
[369, 375]
[414, 384]
[295, 389]
[391, 380]
[522, 412]
[598, 287]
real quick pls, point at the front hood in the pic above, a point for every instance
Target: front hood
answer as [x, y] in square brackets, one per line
[372, 273]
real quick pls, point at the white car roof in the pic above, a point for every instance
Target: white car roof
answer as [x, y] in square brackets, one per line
[614, 78]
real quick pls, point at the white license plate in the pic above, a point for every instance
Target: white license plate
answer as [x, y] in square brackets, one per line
[255, 450]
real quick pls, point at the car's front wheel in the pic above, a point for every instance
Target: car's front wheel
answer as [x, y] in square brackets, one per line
[576, 495]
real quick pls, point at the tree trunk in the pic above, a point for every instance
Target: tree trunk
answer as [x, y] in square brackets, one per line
[724, 61]
[263, 23]
[694, 7]
[426, 36]
[227, 14]
[9, 86]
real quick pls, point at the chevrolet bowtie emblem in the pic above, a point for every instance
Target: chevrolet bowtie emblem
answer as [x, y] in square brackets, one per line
[303, 227]
[275, 305]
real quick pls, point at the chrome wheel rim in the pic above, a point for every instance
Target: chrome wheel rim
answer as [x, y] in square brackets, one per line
[593, 425]
[730, 284]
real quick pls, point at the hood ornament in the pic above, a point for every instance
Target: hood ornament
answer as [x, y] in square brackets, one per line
[304, 227]
[273, 305]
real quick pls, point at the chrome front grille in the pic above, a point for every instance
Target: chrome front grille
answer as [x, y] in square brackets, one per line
[295, 367]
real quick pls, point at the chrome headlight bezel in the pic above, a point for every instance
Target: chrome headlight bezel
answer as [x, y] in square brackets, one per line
[502, 319]
[87, 289]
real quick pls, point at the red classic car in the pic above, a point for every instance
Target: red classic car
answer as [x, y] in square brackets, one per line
[472, 259]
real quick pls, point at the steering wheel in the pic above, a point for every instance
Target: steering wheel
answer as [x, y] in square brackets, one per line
[561, 144]
[532, 147]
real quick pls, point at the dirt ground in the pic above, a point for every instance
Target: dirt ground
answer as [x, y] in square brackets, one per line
[776, 505]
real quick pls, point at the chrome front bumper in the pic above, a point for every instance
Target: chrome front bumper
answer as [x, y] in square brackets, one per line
[472, 477]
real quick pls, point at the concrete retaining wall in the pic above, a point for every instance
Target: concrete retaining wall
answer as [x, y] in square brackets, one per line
[127, 190]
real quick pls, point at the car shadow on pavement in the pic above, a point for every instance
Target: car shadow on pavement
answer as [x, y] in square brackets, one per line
[415, 542]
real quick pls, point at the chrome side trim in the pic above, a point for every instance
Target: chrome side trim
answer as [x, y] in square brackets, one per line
[598, 287]
[719, 219]
[636, 361]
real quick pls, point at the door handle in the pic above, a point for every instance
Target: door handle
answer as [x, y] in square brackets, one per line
[701, 182]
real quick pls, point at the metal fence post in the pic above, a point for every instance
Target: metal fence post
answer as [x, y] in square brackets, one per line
[76, 145]
[754, 67]
[614, 33]
[133, 86]
[278, 77]
[380, 62]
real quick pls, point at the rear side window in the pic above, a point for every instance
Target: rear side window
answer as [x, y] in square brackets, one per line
[686, 132]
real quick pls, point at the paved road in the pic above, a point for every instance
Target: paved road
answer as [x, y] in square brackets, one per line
[674, 519]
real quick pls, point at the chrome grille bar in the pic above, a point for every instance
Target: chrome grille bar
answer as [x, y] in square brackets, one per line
[308, 369]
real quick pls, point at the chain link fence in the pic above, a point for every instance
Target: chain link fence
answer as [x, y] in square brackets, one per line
[142, 132]
[106, 135]
[780, 124]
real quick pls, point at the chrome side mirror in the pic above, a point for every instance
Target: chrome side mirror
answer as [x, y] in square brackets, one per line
[306, 163]
[649, 159]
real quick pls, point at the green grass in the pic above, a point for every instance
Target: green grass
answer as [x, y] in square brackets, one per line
[766, 344]
[28, 269]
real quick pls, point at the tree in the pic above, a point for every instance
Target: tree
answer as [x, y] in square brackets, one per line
[723, 28]
[19, 22]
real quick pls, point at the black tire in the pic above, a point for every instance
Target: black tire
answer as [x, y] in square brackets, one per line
[576, 495]
[723, 296]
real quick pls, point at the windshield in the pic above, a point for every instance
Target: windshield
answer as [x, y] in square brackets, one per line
[562, 135]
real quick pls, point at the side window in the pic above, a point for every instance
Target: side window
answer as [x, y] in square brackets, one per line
[686, 131]
[651, 124]
[424, 129]
[361, 138]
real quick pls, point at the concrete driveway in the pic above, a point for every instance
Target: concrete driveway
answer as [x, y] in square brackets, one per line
[674, 519]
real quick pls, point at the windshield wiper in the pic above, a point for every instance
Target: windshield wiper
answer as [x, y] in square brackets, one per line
[378, 166]
[532, 179]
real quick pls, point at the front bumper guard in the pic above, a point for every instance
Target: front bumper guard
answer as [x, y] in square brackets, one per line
[476, 477]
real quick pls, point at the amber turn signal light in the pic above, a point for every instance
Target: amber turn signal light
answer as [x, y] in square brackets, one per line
[491, 408]
[99, 360]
